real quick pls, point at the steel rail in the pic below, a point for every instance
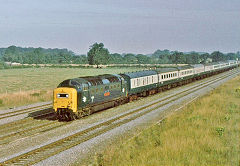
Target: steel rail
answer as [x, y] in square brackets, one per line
[31, 131]
[25, 111]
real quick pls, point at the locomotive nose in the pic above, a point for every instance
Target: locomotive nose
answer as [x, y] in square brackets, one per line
[65, 98]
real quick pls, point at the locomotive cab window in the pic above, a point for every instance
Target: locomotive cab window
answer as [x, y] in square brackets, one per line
[62, 95]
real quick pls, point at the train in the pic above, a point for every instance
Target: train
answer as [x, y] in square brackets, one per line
[82, 96]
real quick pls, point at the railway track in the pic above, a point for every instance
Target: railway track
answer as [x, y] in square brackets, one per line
[25, 111]
[46, 151]
[28, 131]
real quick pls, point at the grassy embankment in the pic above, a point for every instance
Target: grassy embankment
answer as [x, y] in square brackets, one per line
[206, 132]
[31, 85]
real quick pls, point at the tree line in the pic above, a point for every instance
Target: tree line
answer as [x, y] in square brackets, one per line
[40, 56]
[98, 54]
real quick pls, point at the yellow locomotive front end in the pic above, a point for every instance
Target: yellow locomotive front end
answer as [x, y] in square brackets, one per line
[65, 102]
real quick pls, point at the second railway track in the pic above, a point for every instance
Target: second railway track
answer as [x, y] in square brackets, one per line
[45, 151]
[24, 111]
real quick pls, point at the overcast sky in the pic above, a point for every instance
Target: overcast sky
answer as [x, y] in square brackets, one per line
[137, 26]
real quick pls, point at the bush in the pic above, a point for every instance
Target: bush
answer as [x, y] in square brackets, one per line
[1, 102]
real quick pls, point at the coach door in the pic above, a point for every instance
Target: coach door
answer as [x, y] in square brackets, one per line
[124, 87]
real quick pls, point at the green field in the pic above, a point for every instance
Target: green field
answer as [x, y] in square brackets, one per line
[206, 132]
[29, 85]
[15, 80]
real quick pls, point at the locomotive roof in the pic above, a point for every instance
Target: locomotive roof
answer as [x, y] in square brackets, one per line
[140, 73]
[91, 80]
[102, 79]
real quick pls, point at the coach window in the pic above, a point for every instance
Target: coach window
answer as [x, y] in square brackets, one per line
[162, 77]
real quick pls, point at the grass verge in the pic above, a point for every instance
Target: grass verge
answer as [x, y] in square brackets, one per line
[23, 98]
[206, 132]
